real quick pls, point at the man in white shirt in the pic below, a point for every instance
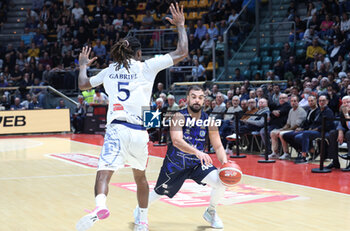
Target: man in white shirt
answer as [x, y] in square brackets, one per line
[77, 11]
[128, 82]
[100, 97]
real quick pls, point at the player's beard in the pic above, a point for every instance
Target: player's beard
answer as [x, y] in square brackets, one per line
[195, 107]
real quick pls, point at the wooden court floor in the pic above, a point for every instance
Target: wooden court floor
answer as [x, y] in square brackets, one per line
[46, 182]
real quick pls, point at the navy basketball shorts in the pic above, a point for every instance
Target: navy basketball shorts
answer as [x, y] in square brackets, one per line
[172, 176]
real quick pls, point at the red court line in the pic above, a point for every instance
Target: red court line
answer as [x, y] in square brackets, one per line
[285, 171]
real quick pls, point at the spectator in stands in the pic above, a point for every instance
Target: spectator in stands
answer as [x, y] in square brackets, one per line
[314, 131]
[160, 89]
[213, 31]
[304, 101]
[35, 104]
[336, 136]
[238, 76]
[193, 44]
[274, 97]
[183, 103]
[17, 105]
[345, 26]
[296, 117]
[25, 103]
[220, 107]
[83, 35]
[173, 106]
[255, 123]
[100, 97]
[207, 105]
[99, 49]
[68, 3]
[77, 12]
[119, 8]
[61, 104]
[286, 52]
[291, 66]
[201, 31]
[228, 122]
[326, 28]
[79, 115]
[198, 72]
[278, 118]
[340, 65]
[198, 56]
[4, 103]
[312, 50]
[147, 21]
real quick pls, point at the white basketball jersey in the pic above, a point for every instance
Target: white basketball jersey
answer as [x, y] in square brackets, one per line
[129, 91]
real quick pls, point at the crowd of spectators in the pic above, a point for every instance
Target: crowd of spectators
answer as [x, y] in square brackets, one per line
[294, 114]
[55, 31]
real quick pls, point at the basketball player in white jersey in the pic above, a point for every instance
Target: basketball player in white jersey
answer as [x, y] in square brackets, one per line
[128, 83]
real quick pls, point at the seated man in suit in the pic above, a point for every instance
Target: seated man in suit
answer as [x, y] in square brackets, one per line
[337, 136]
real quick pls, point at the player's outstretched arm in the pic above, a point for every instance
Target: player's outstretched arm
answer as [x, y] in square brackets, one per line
[215, 140]
[84, 62]
[176, 134]
[178, 19]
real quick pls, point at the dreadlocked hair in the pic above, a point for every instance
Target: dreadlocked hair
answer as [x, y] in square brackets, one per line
[124, 50]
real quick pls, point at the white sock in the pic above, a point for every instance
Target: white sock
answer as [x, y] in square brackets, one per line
[153, 196]
[101, 200]
[143, 214]
[218, 189]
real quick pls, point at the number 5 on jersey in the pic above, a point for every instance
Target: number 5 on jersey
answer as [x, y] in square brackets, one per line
[125, 90]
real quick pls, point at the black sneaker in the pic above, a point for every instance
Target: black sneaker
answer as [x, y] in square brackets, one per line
[302, 160]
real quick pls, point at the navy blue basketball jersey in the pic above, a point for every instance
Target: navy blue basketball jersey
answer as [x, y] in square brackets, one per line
[194, 135]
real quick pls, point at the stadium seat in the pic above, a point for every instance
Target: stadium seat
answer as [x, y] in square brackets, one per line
[300, 54]
[265, 68]
[276, 58]
[347, 57]
[192, 4]
[139, 18]
[265, 47]
[266, 60]
[254, 67]
[141, 6]
[192, 16]
[210, 66]
[275, 53]
[202, 12]
[264, 53]
[91, 7]
[300, 45]
[255, 61]
[247, 74]
[277, 46]
[184, 3]
[203, 4]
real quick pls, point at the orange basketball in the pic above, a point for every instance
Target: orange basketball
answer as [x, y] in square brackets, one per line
[230, 173]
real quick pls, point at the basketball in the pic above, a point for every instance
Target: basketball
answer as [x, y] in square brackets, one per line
[230, 174]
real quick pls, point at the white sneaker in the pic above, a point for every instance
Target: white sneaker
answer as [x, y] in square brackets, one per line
[232, 137]
[136, 216]
[229, 151]
[214, 220]
[87, 221]
[285, 156]
[273, 156]
[142, 226]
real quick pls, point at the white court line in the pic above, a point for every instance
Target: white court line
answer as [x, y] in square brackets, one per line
[71, 175]
[300, 185]
[39, 177]
[304, 186]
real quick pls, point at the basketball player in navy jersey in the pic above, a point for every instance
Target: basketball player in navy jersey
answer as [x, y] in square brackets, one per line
[185, 158]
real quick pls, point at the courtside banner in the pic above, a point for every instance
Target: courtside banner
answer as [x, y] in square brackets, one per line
[34, 121]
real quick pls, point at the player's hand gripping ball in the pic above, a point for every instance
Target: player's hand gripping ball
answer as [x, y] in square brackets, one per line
[230, 173]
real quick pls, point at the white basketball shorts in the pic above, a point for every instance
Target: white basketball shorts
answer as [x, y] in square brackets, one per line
[124, 146]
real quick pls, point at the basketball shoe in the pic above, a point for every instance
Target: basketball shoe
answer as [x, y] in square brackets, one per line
[214, 220]
[136, 216]
[87, 221]
[141, 226]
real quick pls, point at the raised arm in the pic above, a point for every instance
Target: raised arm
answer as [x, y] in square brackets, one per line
[84, 62]
[178, 19]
